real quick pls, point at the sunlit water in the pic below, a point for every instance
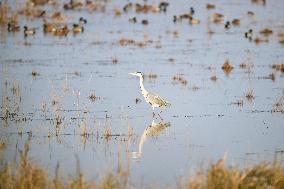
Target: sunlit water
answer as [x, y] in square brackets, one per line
[203, 123]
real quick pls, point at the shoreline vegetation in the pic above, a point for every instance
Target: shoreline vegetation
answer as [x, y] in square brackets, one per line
[28, 174]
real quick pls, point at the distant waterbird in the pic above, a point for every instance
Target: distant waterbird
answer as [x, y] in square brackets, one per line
[132, 20]
[29, 31]
[82, 21]
[48, 27]
[249, 34]
[77, 28]
[13, 27]
[153, 99]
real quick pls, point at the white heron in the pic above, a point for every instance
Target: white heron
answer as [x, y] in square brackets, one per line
[153, 99]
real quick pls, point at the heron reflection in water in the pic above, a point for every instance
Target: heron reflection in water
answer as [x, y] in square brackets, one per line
[153, 130]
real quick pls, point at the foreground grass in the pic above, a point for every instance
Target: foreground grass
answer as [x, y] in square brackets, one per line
[27, 174]
[218, 176]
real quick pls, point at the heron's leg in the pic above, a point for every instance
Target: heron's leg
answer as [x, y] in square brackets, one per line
[161, 117]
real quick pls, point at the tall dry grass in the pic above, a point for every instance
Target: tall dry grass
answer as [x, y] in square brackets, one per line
[27, 174]
[218, 176]
[3, 12]
[6, 15]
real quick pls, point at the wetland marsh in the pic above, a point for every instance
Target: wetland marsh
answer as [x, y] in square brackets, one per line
[68, 94]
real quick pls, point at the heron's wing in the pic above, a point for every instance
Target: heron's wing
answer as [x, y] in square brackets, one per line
[156, 99]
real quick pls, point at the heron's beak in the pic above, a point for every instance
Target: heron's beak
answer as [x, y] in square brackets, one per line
[132, 74]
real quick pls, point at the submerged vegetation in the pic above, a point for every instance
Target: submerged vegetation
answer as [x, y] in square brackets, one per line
[179, 79]
[28, 174]
[249, 95]
[227, 67]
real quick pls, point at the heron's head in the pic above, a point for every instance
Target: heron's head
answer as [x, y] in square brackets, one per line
[139, 74]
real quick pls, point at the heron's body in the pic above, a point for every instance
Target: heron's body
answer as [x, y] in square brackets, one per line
[153, 99]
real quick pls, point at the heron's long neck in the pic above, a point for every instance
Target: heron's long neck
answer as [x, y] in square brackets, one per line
[143, 90]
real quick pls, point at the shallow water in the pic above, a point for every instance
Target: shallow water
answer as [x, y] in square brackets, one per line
[205, 121]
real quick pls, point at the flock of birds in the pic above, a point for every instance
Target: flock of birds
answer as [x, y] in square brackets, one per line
[60, 29]
[52, 28]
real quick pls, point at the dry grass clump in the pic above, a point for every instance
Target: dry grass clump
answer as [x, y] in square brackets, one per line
[27, 174]
[244, 65]
[77, 73]
[217, 18]
[2, 145]
[93, 97]
[3, 13]
[239, 103]
[171, 60]
[114, 60]
[117, 12]
[35, 73]
[218, 175]
[210, 6]
[271, 77]
[258, 40]
[259, 2]
[110, 182]
[236, 22]
[249, 95]
[278, 106]
[180, 79]
[152, 76]
[281, 37]
[214, 78]
[227, 67]
[278, 67]
[174, 33]
[195, 87]
[39, 2]
[126, 42]
[266, 31]
[107, 133]
[58, 16]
